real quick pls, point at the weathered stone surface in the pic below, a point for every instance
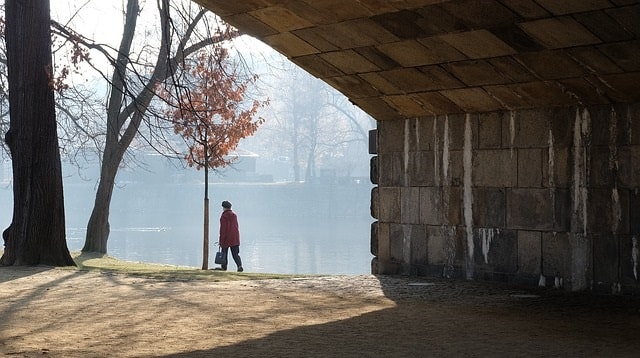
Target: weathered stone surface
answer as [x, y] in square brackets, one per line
[410, 211]
[389, 208]
[375, 244]
[375, 202]
[489, 208]
[495, 250]
[421, 169]
[606, 256]
[418, 247]
[374, 173]
[494, 168]
[529, 251]
[556, 256]
[431, 206]
[490, 130]
[390, 169]
[397, 242]
[530, 168]
[529, 209]
[562, 209]
[541, 61]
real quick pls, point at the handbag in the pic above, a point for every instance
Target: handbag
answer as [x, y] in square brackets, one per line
[221, 257]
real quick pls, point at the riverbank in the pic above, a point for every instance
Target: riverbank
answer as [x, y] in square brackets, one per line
[79, 313]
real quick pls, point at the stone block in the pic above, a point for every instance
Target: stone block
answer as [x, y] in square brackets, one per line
[562, 210]
[408, 105]
[377, 108]
[317, 66]
[397, 243]
[526, 9]
[634, 212]
[600, 211]
[513, 69]
[281, 18]
[421, 169]
[349, 62]
[436, 103]
[382, 84]
[456, 131]
[624, 54]
[529, 251]
[559, 32]
[418, 246]
[391, 169]
[411, 80]
[562, 167]
[531, 129]
[378, 58]
[452, 205]
[431, 208]
[490, 130]
[316, 38]
[384, 241]
[456, 169]
[359, 32]
[390, 136]
[628, 170]
[601, 172]
[551, 65]
[606, 258]
[476, 73]
[389, 207]
[556, 255]
[424, 136]
[629, 260]
[353, 84]
[410, 212]
[573, 6]
[473, 99]
[494, 168]
[495, 250]
[374, 173]
[375, 202]
[445, 247]
[478, 44]
[409, 53]
[290, 44]
[529, 209]
[374, 249]
[489, 208]
[530, 168]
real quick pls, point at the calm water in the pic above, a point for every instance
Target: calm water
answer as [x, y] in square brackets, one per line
[283, 228]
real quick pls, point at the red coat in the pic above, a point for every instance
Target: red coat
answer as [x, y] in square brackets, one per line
[229, 233]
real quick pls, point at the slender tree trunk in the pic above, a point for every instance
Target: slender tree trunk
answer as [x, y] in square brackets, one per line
[36, 234]
[98, 226]
[205, 241]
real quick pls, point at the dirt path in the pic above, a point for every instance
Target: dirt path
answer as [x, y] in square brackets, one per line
[62, 313]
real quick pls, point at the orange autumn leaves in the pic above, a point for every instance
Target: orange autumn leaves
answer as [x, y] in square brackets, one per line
[210, 112]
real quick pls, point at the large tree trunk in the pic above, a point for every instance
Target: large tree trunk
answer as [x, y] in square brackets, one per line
[36, 234]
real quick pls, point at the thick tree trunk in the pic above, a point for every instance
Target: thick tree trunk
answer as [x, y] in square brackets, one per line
[36, 234]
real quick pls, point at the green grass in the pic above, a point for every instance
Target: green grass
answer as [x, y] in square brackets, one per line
[105, 263]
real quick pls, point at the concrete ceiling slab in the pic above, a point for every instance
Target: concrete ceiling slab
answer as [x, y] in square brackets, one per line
[406, 58]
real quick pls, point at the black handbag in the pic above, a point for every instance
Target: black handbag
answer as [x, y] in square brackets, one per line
[221, 257]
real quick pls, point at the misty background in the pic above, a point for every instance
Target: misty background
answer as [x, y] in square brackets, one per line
[300, 185]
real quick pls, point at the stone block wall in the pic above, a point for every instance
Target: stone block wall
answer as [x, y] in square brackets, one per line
[546, 197]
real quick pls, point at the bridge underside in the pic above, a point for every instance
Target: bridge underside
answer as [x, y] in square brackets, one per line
[400, 59]
[506, 135]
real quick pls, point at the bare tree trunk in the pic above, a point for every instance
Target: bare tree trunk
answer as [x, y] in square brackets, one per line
[36, 234]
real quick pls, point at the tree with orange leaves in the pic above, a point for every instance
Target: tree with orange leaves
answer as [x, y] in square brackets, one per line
[210, 113]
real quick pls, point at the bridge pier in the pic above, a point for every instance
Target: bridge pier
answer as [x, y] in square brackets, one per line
[545, 197]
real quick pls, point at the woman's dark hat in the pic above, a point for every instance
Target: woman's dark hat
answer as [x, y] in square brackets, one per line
[226, 204]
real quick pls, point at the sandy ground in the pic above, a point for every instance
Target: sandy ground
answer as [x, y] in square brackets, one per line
[68, 313]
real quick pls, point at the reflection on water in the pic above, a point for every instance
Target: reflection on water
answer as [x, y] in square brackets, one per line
[302, 230]
[290, 245]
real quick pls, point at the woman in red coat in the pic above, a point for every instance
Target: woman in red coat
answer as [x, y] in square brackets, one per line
[230, 235]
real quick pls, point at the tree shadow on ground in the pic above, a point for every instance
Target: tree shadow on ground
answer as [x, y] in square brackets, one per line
[445, 318]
